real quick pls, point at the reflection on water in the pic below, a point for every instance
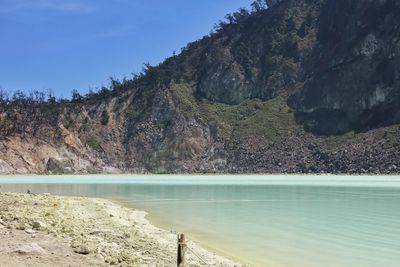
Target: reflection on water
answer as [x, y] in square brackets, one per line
[294, 223]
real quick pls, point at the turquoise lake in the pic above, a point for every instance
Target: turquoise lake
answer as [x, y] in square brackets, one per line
[291, 221]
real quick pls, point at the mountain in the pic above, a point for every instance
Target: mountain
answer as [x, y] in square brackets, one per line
[303, 86]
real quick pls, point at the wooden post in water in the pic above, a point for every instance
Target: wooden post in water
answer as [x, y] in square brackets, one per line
[181, 250]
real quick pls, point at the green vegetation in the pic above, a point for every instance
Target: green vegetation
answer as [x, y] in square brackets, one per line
[105, 117]
[270, 119]
[390, 135]
[335, 142]
[94, 143]
[239, 16]
[76, 96]
[5, 125]
[132, 114]
[183, 95]
[34, 97]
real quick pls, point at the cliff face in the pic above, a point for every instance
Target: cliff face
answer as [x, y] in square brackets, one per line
[303, 86]
[352, 78]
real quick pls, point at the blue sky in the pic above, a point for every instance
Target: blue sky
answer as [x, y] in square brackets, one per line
[77, 44]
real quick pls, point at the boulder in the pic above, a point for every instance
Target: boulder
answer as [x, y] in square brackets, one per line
[82, 249]
[58, 166]
[32, 248]
[38, 225]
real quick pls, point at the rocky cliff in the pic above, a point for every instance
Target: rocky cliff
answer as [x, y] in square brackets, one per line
[305, 86]
[353, 72]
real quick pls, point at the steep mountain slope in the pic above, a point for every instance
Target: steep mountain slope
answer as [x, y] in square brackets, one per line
[303, 86]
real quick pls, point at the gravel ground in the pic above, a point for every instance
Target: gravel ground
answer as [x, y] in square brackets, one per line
[46, 230]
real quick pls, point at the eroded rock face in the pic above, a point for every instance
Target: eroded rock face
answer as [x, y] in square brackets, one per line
[226, 83]
[55, 166]
[353, 80]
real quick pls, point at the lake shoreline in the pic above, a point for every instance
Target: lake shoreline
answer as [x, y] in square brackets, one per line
[41, 229]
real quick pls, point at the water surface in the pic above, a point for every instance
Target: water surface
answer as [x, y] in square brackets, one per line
[293, 221]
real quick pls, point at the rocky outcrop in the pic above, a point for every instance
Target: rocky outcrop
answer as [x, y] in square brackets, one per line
[352, 81]
[54, 166]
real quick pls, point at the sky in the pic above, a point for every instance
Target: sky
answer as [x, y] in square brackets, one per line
[79, 44]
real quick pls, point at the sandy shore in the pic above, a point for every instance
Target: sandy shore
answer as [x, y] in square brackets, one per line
[49, 231]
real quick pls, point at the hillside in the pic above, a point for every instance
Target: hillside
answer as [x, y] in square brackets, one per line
[304, 86]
